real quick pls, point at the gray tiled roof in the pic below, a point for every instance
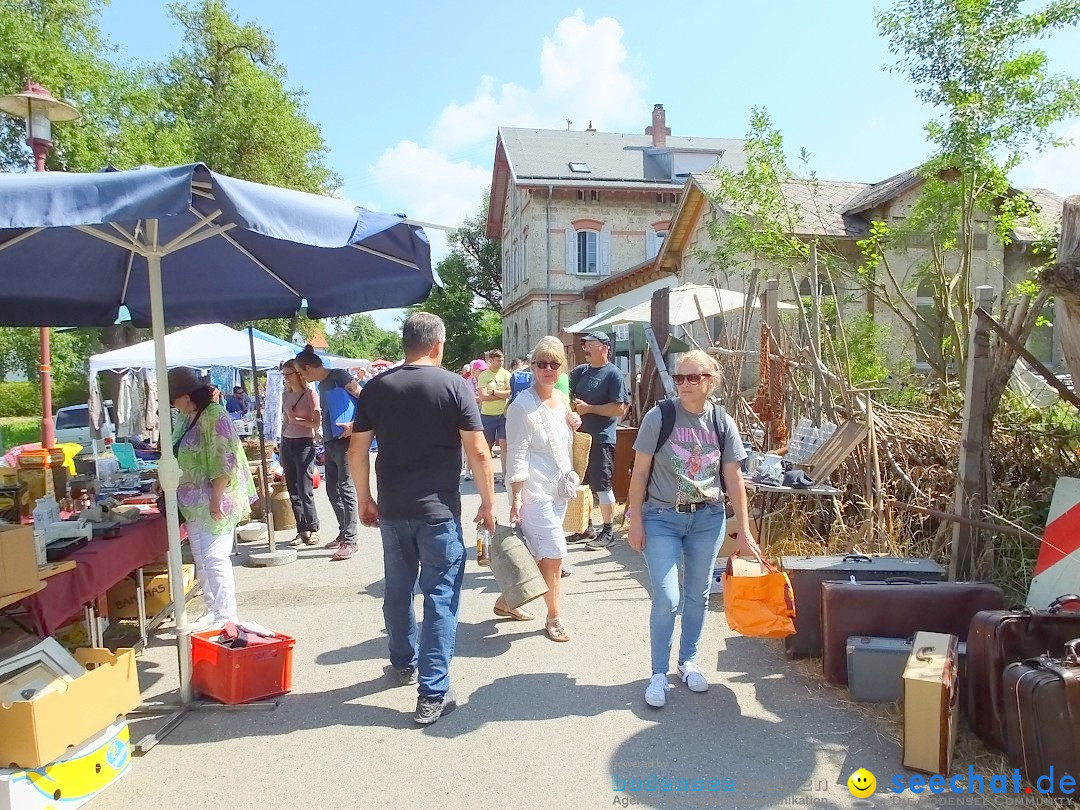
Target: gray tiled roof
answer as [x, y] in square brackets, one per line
[1049, 205]
[878, 193]
[544, 154]
[820, 204]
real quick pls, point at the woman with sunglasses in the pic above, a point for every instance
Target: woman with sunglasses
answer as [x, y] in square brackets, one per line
[540, 441]
[677, 508]
[302, 418]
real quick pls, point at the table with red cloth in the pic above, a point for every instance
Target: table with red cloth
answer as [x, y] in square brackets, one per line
[101, 564]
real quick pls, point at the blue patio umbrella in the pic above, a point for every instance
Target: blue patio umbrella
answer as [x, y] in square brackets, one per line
[184, 245]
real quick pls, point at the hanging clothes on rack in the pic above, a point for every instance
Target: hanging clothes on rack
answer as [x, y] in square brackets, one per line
[275, 387]
[150, 414]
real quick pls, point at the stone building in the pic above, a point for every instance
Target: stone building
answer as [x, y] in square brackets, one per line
[572, 207]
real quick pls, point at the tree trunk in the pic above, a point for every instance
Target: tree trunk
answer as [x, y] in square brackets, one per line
[1063, 280]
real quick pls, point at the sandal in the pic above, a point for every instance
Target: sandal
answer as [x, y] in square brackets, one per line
[555, 630]
[517, 614]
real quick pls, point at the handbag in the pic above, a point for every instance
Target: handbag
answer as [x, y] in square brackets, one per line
[567, 481]
[759, 606]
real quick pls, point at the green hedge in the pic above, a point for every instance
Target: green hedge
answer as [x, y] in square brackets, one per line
[19, 399]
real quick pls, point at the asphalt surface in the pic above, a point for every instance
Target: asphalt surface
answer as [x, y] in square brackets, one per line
[539, 724]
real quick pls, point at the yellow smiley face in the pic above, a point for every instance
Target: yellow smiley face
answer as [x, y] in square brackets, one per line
[862, 783]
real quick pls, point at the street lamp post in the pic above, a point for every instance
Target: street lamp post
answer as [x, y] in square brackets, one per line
[39, 109]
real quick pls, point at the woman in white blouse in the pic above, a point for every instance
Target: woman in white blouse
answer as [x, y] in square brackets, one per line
[539, 438]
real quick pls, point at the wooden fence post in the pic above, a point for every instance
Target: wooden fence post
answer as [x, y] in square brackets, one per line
[968, 498]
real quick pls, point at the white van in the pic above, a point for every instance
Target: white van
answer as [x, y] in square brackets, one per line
[73, 424]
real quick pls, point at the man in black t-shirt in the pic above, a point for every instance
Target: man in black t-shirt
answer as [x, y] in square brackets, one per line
[598, 391]
[423, 415]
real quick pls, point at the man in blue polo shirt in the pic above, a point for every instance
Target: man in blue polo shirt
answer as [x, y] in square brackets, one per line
[598, 391]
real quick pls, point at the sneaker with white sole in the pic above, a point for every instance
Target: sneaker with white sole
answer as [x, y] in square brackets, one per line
[656, 691]
[694, 677]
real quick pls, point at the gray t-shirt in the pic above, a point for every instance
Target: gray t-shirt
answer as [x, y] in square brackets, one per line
[688, 468]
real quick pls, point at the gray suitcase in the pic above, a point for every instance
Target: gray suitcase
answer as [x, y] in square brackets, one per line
[876, 667]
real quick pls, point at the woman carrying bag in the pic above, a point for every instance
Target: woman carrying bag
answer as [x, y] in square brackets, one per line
[215, 491]
[540, 439]
[687, 454]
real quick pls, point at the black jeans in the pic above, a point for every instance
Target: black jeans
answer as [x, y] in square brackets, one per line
[339, 487]
[298, 462]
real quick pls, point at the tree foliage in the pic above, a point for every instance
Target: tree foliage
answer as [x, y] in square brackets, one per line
[479, 267]
[359, 336]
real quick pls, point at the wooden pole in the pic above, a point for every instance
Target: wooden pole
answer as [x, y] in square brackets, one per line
[968, 498]
[1063, 278]
[815, 334]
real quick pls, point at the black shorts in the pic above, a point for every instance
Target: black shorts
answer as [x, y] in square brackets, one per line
[601, 465]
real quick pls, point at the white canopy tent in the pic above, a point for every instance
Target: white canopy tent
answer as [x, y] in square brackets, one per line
[211, 344]
[683, 308]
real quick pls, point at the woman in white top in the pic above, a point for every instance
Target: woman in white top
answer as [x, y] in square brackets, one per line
[540, 441]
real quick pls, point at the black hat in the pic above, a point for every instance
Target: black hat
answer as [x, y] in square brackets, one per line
[600, 337]
[183, 381]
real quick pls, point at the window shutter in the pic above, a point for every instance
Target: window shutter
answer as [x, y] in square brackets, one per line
[604, 249]
[652, 247]
[571, 250]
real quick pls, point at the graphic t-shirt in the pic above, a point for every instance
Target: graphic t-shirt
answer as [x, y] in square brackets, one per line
[598, 386]
[688, 468]
[501, 378]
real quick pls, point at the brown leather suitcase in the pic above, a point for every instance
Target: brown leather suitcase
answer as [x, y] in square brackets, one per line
[807, 574]
[998, 638]
[1042, 720]
[930, 703]
[896, 610]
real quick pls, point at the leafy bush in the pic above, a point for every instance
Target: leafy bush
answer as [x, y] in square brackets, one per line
[19, 399]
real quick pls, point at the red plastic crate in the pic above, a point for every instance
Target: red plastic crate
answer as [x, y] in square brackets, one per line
[241, 675]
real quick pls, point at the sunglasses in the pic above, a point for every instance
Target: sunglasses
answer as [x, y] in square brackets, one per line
[693, 379]
[554, 365]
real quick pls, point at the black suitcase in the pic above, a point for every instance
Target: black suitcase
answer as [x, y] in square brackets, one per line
[1042, 720]
[807, 574]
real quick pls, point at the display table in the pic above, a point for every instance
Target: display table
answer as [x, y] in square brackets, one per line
[767, 496]
[101, 564]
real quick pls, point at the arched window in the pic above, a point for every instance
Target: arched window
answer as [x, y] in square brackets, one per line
[655, 235]
[588, 248]
[928, 345]
[516, 350]
[528, 338]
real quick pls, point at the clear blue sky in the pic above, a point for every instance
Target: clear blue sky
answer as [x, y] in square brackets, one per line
[409, 96]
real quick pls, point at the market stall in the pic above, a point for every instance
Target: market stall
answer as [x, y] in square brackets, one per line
[184, 245]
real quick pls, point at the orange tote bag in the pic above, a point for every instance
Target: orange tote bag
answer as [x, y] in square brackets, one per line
[760, 606]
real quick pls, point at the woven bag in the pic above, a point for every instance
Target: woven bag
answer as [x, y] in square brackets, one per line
[578, 512]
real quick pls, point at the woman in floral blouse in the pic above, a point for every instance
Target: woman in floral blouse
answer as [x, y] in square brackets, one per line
[216, 488]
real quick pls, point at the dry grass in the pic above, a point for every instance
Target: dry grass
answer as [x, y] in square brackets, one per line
[886, 720]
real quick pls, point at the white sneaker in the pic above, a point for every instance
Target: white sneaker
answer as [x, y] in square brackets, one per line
[694, 677]
[656, 691]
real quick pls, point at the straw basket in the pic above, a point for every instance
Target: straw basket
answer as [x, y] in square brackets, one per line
[582, 446]
[578, 512]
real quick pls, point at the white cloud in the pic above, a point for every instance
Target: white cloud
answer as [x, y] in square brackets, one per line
[583, 75]
[1056, 169]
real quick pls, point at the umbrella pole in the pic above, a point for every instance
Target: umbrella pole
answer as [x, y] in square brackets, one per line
[265, 483]
[168, 468]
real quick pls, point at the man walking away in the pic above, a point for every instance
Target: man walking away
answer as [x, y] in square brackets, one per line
[423, 416]
[335, 440]
[598, 391]
[521, 379]
[493, 387]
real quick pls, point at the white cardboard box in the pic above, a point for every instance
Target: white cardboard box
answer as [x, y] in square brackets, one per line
[74, 779]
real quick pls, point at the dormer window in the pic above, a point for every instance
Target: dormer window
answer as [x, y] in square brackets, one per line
[579, 168]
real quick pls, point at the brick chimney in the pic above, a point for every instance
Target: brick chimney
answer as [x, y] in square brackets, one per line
[659, 129]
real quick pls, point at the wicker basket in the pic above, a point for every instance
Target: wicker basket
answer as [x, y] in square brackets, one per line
[582, 446]
[578, 512]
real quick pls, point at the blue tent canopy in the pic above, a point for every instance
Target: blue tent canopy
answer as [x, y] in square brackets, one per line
[74, 247]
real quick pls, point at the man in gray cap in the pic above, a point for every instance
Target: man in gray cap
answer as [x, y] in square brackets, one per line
[598, 391]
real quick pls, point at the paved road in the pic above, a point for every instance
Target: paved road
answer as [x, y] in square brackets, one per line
[540, 724]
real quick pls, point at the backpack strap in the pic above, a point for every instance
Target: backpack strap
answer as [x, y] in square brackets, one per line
[667, 427]
[721, 439]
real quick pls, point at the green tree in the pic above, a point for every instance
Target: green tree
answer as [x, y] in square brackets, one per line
[360, 336]
[470, 299]
[998, 100]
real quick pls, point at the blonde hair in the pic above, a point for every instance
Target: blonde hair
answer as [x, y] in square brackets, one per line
[549, 348]
[704, 360]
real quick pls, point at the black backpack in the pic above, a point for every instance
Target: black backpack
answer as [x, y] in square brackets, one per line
[667, 427]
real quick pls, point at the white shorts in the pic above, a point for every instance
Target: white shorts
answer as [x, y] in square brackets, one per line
[542, 525]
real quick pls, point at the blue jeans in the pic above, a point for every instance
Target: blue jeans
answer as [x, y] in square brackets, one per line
[433, 554]
[675, 540]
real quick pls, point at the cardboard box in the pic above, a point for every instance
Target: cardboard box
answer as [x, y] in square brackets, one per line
[122, 602]
[34, 733]
[74, 779]
[18, 560]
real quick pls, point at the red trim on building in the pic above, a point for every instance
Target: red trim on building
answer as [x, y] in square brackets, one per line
[587, 225]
